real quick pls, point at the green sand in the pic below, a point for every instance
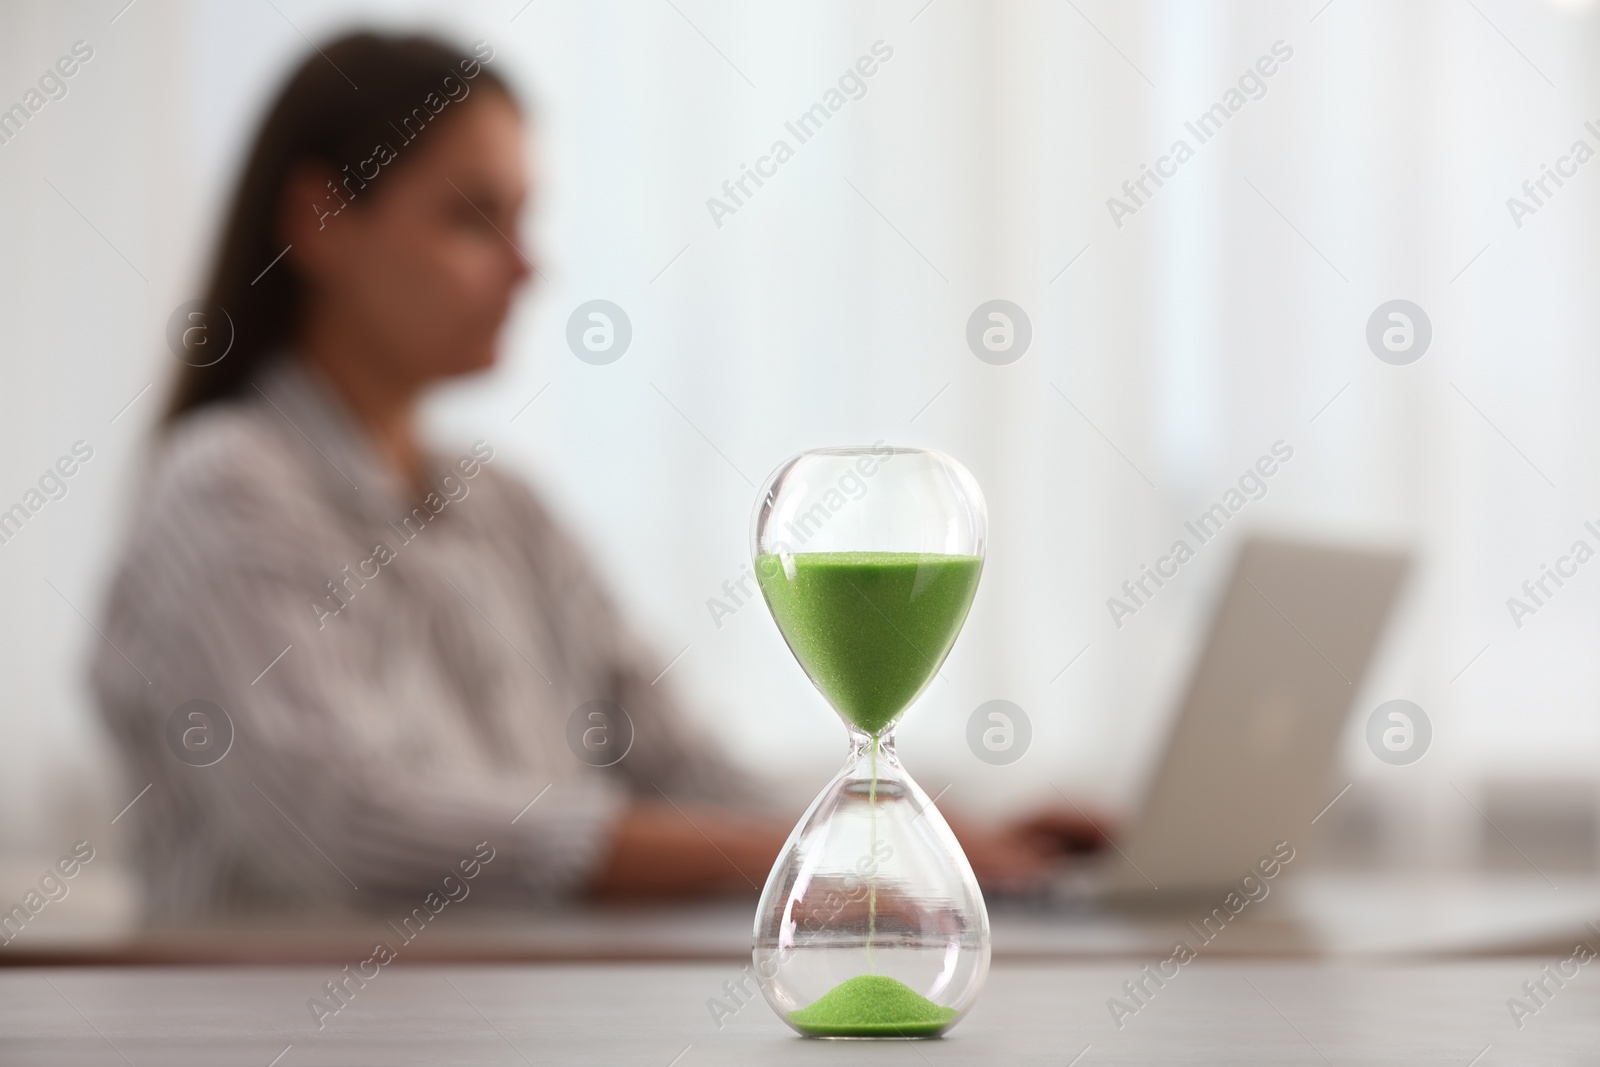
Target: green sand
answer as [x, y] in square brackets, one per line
[870, 628]
[872, 1005]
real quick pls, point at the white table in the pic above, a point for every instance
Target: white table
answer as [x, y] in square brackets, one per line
[655, 1015]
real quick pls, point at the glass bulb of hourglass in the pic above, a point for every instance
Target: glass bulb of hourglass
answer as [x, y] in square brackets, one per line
[871, 923]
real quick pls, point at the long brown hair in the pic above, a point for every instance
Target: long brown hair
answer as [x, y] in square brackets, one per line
[346, 97]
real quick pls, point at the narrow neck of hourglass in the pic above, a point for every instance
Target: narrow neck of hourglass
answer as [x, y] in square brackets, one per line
[861, 744]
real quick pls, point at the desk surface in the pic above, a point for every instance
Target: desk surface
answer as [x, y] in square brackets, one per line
[656, 1015]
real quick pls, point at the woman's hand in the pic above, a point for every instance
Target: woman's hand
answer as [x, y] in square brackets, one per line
[661, 850]
[1021, 854]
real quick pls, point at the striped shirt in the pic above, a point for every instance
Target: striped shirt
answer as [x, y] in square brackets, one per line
[402, 677]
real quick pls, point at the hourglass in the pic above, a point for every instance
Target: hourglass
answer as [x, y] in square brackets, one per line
[871, 923]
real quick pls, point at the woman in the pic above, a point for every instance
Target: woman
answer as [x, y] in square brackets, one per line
[401, 638]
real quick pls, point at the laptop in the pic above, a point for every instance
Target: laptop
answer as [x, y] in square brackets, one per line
[1249, 758]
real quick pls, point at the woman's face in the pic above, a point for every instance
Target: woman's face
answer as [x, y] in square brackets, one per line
[419, 268]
